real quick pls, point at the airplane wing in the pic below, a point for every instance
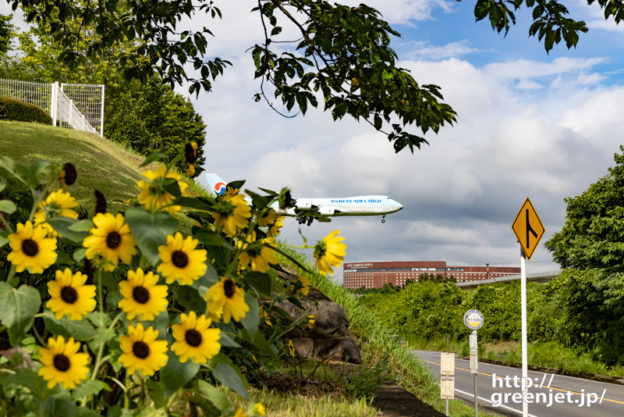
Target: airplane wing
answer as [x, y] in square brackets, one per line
[310, 212]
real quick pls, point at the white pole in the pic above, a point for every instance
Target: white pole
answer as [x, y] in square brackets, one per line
[102, 113]
[54, 102]
[523, 306]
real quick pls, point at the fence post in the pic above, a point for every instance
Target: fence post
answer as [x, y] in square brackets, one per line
[102, 113]
[54, 102]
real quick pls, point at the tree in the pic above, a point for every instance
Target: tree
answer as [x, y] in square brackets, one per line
[593, 234]
[343, 53]
[6, 33]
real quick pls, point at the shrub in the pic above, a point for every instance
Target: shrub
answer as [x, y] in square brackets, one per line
[11, 109]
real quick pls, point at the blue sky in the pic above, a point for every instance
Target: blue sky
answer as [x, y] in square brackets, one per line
[529, 124]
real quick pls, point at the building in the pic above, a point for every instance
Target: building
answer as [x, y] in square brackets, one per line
[377, 274]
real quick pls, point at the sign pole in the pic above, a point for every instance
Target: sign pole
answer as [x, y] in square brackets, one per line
[523, 302]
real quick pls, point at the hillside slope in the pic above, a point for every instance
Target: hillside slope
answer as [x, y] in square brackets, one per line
[101, 164]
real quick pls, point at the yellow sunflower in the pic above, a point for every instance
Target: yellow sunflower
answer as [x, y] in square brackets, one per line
[232, 213]
[58, 203]
[259, 254]
[68, 175]
[195, 339]
[311, 321]
[330, 252]
[62, 363]
[227, 298]
[141, 350]
[153, 196]
[240, 412]
[291, 348]
[274, 228]
[269, 217]
[180, 259]
[70, 295]
[142, 295]
[31, 249]
[110, 240]
[305, 285]
[259, 409]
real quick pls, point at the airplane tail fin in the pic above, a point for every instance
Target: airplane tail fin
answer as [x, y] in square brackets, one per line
[215, 183]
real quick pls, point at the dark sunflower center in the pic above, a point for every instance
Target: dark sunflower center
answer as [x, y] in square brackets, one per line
[113, 240]
[61, 362]
[179, 259]
[140, 295]
[69, 295]
[30, 247]
[193, 337]
[228, 287]
[140, 350]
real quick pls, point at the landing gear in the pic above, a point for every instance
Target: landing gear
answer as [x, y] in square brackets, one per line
[383, 218]
[305, 220]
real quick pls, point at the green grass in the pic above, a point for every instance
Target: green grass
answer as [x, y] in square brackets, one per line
[100, 164]
[293, 405]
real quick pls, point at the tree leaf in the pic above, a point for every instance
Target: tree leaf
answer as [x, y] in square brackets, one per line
[150, 230]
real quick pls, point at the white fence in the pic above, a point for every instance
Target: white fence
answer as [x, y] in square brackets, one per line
[77, 106]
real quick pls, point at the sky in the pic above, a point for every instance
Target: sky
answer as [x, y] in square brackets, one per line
[529, 124]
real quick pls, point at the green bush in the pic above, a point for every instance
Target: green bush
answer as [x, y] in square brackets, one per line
[11, 109]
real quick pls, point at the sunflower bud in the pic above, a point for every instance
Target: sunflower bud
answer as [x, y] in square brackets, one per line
[190, 152]
[100, 202]
[68, 175]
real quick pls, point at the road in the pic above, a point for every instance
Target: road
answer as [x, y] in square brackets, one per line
[549, 396]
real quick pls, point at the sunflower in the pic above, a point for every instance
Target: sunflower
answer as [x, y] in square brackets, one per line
[141, 350]
[31, 249]
[62, 363]
[274, 228]
[240, 412]
[58, 203]
[311, 321]
[195, 339]
[304, 284]
[68, 175]
[110, 240]
[259, 254]
[269, 217]
[232, 212]
[291, 348]
[227, 298]
[70, 295]
[142, 295]
[153, 195]
[259, 409]
[329, 252]
[180, 259]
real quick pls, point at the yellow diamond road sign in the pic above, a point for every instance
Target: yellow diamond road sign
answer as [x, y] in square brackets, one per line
[528, 228]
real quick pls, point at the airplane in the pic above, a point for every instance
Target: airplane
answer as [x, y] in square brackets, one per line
[321, 209]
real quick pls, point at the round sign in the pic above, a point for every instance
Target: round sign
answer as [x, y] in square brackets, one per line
[473, 319]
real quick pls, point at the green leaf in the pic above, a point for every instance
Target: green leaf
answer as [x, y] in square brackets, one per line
[4, 237]
[81, 226]
[85, 412]
[62, 225]
[175, 374]
[228, 374]
[17, 309]
[2, 185]
[79, 255]
[7, 206]
[153, 157]
[34, 170]
[226, 339]
[117, 411]
[190, 299]
[89, 388]
[216, 397]
[207, 280]
[252, 318]
[260, 281]
[150, 230]
[208, 238]
[80, 330]
[156, 393]
[199, 203]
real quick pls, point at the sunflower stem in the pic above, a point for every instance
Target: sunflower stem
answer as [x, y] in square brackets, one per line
[98, 359]
[11, 274]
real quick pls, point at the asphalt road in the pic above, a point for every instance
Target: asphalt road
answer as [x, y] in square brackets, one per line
[549, 396]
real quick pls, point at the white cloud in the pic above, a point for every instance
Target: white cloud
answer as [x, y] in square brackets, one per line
[526, 69]
[424, 50]
[404, 11]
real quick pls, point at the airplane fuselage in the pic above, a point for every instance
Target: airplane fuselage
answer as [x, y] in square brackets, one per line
[363, 205]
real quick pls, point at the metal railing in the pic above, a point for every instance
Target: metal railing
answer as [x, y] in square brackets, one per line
[77, 106]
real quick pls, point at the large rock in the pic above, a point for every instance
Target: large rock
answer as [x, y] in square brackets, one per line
[329, 338]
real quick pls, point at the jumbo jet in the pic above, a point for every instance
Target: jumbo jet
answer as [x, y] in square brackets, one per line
[321, 209]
